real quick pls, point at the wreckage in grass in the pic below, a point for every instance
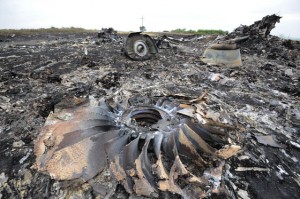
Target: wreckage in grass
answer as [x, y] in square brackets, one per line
[149, 145]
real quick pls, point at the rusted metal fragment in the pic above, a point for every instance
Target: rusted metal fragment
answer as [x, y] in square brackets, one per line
[144, 182]
[197, 141]
[72, 145]
[170, 185]
[203, 133]
[67, 163]
[228, 151]
[120, 175]
[158, 167]
[224, 46]
[186, 148]
[200, 98]
[180, 168]
[169, 145]
[212, 115]
[212, 124]
[211, 128]
[56, 136]
[115, 146]
[97, 156]
[84, 159]
[123, 166]
[197, 180]
[188, 111]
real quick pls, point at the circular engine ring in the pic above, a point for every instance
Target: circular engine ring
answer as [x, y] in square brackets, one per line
[145, 145]
[140, 48]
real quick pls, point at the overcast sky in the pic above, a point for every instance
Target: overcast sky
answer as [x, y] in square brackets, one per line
[159, 14]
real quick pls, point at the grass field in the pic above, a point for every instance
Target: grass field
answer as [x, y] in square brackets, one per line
[7, 32]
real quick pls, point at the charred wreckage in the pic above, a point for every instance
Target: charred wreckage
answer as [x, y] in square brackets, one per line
[146, 143]
[154, 146]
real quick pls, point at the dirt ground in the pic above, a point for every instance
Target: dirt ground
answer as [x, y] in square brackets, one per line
[260, 98]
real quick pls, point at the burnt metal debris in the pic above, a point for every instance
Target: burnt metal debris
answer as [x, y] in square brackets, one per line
[139, 46]
[146, 143]
[226, 50]
[259, 29]
[108, 35]
[260, 41]
[223, 54]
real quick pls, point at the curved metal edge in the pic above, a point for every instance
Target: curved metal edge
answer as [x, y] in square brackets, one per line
[149, 41]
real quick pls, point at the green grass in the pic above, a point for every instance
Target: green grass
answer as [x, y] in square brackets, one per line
[200, 31]
[7, 32]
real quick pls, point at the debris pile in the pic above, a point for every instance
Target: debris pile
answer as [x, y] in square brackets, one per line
[260, 41]
[259, 30]
[108, 35]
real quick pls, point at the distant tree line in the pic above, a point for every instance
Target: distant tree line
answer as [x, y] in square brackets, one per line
[200, 31]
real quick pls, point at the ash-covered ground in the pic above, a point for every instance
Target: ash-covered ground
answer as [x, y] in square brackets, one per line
[259, 98]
